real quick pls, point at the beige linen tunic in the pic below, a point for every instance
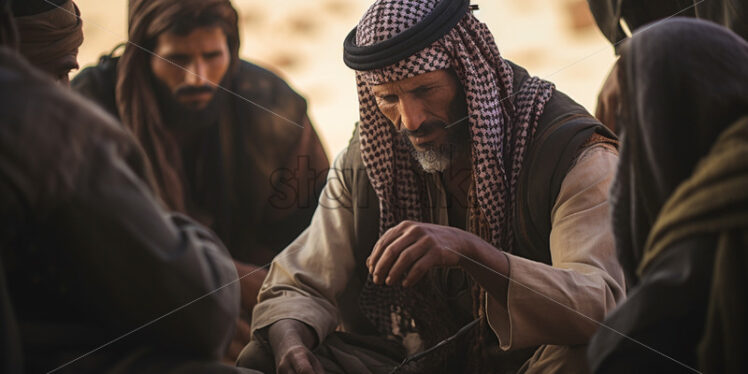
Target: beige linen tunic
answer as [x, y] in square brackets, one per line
[558, 305]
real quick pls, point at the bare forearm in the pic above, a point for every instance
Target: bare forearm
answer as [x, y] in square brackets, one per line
[290, 332]
[489, 267]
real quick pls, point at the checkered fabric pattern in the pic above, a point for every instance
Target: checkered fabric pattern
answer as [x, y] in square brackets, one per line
[502, 121]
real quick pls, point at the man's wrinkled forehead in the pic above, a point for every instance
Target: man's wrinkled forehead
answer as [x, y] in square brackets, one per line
[434, 78]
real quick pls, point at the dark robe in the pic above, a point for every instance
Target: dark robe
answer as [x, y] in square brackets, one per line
[683, 83]
[87, 254]
[251, 175]
[565, 129]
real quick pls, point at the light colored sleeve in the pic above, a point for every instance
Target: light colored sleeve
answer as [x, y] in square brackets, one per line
[306, 278]
[561, 304]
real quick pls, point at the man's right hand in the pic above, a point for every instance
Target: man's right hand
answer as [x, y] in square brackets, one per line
[298, 359]
[291, 341]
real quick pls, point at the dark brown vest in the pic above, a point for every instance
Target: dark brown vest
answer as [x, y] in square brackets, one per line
[564, 129]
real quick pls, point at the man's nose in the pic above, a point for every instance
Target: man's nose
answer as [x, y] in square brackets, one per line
[197, 73]
[412, 114]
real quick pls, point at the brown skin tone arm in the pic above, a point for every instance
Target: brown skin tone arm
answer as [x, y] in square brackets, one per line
[406, 252]
[484, 265]
[291, 341]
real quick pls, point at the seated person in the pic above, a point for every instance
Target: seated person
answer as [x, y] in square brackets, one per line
[680, 206]
[610, 14]
[231, 143]
[471, 203]
[94, 275]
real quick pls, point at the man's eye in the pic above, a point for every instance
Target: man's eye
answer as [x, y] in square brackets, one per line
[179, 60]
[389, 99]
[212, 55]
[422, 90]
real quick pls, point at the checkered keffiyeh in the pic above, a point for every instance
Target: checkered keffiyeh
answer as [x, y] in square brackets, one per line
[502, 120]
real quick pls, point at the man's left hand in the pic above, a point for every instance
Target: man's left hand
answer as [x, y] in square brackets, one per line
[409, 250]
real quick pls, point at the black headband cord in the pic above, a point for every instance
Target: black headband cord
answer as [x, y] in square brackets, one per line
[438, 23]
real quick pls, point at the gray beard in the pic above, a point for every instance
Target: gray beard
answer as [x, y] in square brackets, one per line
[433, 160]
[438, 159]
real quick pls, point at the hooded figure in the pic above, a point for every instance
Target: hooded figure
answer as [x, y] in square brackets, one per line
[732, 14]
[679, 203]
[464, 151]
[91, 266]
[636, 14]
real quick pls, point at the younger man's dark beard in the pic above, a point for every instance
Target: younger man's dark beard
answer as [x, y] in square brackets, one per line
[179, 116]
[192, 90]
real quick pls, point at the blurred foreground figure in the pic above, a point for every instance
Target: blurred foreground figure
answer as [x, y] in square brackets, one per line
[680, 203]
[609, 14]
[242, 158]
[87, 255]
[49, 35]
[463, 171]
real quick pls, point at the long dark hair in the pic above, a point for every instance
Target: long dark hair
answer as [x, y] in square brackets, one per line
[136, 101]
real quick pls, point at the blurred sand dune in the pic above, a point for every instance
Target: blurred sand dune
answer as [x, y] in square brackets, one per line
[302, 41]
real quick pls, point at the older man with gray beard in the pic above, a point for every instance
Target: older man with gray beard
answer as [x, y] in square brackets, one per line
[464, 228]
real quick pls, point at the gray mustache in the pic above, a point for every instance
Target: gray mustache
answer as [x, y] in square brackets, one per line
[425, 129]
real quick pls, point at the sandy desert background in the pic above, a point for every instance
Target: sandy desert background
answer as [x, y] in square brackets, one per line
[301, 40]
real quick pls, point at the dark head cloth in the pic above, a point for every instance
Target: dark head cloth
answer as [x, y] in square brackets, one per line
[50, 35]
[732, 14]
[23, 8]
[501, 118]
[135, 96]
[684, 82]
[417, 32]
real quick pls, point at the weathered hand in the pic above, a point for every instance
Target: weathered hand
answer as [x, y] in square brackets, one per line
[290, 340]
[410, 249]
[298, 359]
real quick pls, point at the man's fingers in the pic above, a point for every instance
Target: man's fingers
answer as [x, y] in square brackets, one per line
[382, 244]
[406, 260]
[390, 255]
[420, 268]
[377, 251]
[285, 367]
[302, 365]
